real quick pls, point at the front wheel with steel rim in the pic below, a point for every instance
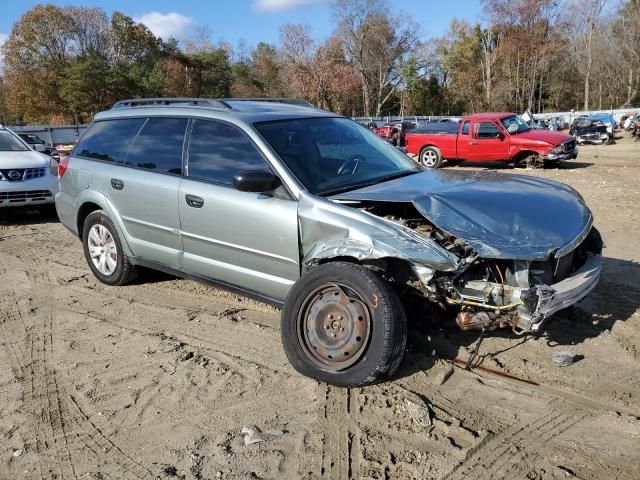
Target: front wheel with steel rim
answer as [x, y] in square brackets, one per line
[430, 157]
[343, 325]
[103, 250]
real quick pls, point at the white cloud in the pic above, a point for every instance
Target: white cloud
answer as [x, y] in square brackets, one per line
[166, 25]
[278, 5]
[3, 38]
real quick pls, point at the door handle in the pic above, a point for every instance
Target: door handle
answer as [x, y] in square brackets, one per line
[117, 184]
[473, 143]
[193, 201]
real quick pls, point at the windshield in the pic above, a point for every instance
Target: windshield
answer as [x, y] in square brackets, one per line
[515, 125]
[332, 155]
[10, 143]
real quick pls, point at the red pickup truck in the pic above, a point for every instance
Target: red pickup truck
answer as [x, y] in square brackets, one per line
[490, 137]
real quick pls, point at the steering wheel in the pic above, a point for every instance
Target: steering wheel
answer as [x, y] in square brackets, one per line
[350, 165]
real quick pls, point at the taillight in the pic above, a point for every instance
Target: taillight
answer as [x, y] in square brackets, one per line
[62, 166]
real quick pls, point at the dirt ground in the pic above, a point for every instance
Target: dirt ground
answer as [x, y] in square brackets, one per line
[158, 379]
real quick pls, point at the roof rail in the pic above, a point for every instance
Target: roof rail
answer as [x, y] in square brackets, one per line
[150, 102]
[289, 101]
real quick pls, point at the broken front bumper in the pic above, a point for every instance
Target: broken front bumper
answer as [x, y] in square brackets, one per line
[596, 138]
[542, 301]
[560, 157]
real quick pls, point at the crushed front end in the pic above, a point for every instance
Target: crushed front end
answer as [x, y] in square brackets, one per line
[522, 294]
[492, 293]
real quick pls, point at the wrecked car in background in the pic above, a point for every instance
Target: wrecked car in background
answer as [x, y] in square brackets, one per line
[590, 130]
[395, 132]
[490, 137]
[311, 212]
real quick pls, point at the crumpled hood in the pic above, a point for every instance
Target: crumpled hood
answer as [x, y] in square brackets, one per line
[499, 215]
[554, 138]
[25, 159]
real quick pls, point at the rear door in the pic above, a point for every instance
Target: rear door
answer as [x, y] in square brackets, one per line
[488, 142]
[249, 240]
[143, 189]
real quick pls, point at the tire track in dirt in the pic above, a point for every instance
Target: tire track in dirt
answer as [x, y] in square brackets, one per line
[231, 342]
[13, 325]
[339, 458]
[58, 430]
[107, 449]
[489, 459]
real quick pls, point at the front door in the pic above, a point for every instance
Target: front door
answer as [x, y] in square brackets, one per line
[248, 240]
[464, 137]
[487, 142]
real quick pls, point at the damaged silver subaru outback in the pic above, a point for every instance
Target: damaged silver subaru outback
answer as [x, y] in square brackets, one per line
[313, 213]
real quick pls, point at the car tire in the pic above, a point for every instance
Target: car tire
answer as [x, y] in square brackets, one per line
[344, 325]
[430, 157]
[103, 251]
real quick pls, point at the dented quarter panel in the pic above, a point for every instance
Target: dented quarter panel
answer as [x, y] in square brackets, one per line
[500, 216]
[329, 230]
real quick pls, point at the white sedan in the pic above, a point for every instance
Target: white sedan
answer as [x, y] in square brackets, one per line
[27, 178]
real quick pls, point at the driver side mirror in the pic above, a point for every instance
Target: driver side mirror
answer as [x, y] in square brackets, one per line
[255, 181]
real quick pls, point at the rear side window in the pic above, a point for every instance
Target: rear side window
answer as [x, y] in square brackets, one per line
[486, 130]
[158, 146]
[218, 151]
[109, 139]
[465, 128]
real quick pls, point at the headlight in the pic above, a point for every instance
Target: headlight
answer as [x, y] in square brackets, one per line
[555, 151]
[53, 167]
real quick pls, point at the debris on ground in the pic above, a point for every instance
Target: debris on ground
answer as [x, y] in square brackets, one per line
[173, 346]
[251, 435]
[188, 355]
[419, 413]
[169, 471]
[564, 358]
[440, 373]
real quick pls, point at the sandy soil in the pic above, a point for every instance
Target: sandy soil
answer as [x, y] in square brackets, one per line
[158, 379]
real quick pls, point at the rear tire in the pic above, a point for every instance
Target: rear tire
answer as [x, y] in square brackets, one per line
[431, 157]
[343, 325]
[103, 251]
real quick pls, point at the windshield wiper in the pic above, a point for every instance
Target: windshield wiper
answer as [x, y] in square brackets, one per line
[368, 183]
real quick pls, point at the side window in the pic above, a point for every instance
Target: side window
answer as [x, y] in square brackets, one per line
[465, 128]
[486, 130]
[218, 151]
[158, 146]
[109, 139]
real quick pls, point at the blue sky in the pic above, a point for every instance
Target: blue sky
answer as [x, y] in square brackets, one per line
[250, 21]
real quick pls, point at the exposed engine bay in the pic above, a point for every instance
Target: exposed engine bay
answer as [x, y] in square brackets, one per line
[491, 293]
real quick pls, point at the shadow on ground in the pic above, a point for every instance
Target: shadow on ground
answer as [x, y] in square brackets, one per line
[28, 216]
[568, 165]
[615, 299]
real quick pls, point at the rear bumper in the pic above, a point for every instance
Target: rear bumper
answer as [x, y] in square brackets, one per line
[33, 192]
[552, 298]
[65, 207]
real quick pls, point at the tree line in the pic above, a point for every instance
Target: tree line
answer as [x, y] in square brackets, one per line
[64, 64]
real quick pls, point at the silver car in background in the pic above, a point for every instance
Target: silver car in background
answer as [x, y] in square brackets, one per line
[311, 212]
[27, 178]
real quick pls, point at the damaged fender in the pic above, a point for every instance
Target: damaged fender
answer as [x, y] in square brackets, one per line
[329, 230]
